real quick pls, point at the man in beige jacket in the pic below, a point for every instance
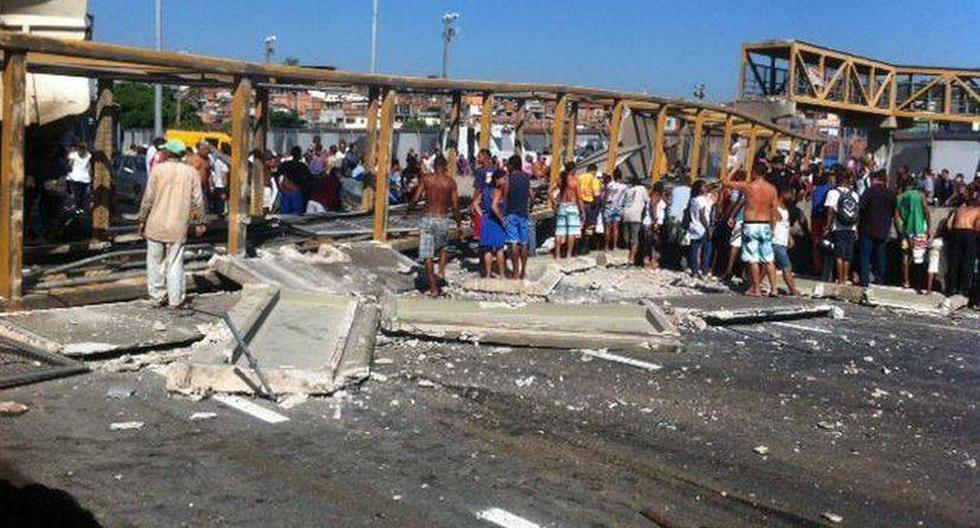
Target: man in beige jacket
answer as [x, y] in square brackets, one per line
[172, 202]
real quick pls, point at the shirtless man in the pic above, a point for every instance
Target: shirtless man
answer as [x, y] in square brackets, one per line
[761, 206]
[964, 230]
[569, 209]
[201, 161]
[441, 197]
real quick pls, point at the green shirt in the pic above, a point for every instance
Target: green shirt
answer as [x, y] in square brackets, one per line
[912, 211]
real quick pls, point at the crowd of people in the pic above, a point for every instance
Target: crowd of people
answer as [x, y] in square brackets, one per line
[844, 223]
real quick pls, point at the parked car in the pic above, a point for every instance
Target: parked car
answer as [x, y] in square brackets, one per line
[129, 176]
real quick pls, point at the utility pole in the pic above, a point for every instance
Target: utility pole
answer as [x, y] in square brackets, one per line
[448, 34]
[374, 38]
[158, 89]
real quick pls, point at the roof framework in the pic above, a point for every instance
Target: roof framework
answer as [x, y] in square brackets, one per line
[250, 83]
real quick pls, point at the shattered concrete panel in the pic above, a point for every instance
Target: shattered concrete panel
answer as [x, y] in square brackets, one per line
[610, 326]
[931, 303]
[540, 281]
[365, 267]
[820, 289]
[307, 342]
[102, 329]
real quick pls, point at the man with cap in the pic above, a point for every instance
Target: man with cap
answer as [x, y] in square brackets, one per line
[171, 203]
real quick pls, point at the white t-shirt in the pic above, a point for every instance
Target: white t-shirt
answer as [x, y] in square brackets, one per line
[780, 235]
[660, 213]
[615, 192]
[219, 173]
[703, 203]
[79, 167]
[635, 201]
[833, 196]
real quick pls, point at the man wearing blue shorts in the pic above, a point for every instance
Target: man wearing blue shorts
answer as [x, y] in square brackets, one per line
[516, 189]
[761, 204]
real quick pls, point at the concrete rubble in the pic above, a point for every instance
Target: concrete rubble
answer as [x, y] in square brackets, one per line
[368, 268]
[99, 329]
[544, 273]
[635, 328]
[323, 354]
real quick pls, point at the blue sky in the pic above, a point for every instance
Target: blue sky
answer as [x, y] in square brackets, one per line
[659, 47]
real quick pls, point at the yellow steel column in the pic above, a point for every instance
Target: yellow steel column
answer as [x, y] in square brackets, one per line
[106, 112]
[371, 154]
[617, 118]
[486, 119]
[452, 148]
[695, 159]
[12, 174]
[385, 133]
[658, 165]
[750, 150]
[238, 176]
[519, 128]
[726, 144]
[259, 135]
[571, 131]
[557, 138]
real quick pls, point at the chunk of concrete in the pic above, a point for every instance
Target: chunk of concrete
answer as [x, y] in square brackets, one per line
[307, 342]
[540, 281]
[100, 329]
[364, 267]
[765, 314]
[616, 257]
[831, 290]
[634, 328]
[905, 299]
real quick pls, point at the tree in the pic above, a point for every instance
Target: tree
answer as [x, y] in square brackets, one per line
[135, 102]
[285, 119]
[291, 61]
[414, 124]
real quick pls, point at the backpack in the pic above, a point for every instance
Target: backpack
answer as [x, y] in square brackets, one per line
[847, 209]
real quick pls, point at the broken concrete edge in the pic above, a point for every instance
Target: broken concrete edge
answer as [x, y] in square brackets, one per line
[534, 338]
[22, 338]
[189, 379]
[758, 315]
[355, 363]
[657, 317]
[541, 287]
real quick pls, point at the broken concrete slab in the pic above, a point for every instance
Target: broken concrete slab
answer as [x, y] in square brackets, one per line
[100, 329]
[906, 299]
[766, 314]
[370, 268]
[308, 342]
[635, 328]
[831, 290]
[540, 281]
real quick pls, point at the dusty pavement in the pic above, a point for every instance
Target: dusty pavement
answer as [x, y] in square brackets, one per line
[871, 418]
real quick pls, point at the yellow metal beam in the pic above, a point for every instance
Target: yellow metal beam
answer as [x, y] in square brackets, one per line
[486, 119]
[106, 112]
[386, 131]
[371, 155]
[750, 151]
[617, 118]
[695, 159]
[259, 135]
[452, 149]
[558, 138]
[572, 131]
[12, 175]
[726, 144]
[238, 176]
[659, 161]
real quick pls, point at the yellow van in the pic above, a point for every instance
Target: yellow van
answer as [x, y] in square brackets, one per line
[193, 137]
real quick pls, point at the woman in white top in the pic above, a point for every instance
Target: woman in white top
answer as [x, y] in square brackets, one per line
[79, 175]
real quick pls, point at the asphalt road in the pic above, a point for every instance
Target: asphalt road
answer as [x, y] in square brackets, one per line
[872, 418]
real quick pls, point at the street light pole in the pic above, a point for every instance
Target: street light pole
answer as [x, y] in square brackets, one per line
[158, 89]
[448, 34]
[374, 38]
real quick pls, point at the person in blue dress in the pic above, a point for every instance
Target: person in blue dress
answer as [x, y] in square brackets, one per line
[493, 236]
